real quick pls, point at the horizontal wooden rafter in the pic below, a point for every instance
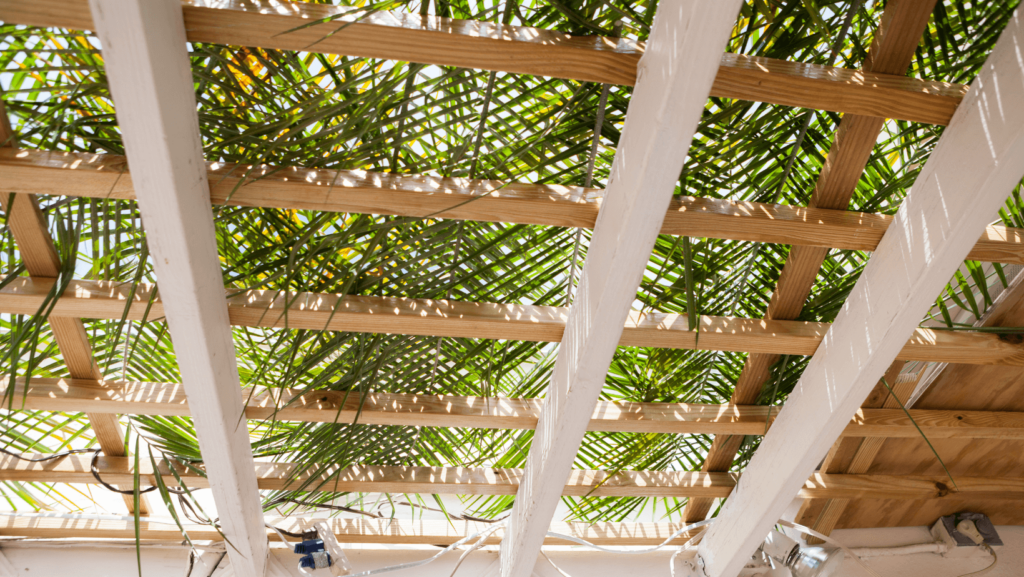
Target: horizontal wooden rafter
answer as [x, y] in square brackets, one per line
[493, 481]
[361, 530]
[316, 311]
[106, 177]
[282, 25]
[168, 399]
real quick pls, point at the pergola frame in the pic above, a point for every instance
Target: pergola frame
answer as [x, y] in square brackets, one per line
[866, 96]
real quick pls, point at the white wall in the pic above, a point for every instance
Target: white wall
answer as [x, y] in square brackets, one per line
[27, 559]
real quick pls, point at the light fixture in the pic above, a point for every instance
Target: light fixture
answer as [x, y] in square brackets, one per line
[786, 557]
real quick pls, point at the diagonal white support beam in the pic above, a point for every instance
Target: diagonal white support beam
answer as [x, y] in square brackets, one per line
[674, 79]
[143, 43]
[975, 166]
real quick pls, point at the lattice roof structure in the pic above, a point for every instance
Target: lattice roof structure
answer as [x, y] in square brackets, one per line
[407, 206]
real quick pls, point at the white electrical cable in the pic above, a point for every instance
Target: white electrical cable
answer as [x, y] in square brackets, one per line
[664, 544]
[484, 533]
[287, 544]
[479, 543]
[868, 552]
[830, 541]
[552, 563]
[686, 546]
[995, 560]
[454, 545]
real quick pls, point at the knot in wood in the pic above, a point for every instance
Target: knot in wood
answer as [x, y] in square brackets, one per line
[941, 489]
[1012, 338]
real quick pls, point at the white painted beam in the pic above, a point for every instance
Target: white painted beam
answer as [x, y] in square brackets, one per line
[674, 79]
[976, 164]
[144, 46]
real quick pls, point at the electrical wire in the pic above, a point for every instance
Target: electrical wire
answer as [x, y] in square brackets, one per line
[453, 546]
[664, 543]
[552, 563]
[460, 516]
[96, 474]
[21, 457]
[995, 560]
[330, 506]
[830, 541]
[92, 469]
[191, 562]
[479, 543]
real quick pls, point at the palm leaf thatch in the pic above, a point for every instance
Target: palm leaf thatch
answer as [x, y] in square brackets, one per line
[264, 107]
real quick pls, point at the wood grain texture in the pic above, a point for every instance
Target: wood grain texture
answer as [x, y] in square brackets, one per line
[364, 478]
[898, 34]
[956, 387]
[39, 254]
[106, 177]
[497, 481]
[858, 92]
[687, 39]
[975, 166]
[486, 46]
[168, 399]
[331, 312]
[852, 455]
[149, 74]
[382, 531]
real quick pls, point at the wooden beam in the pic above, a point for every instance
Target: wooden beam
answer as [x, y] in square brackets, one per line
[495, 481]
[317, 311]
[895, 41]
[283, 25]
[39, 254]
[150, 78]
[1004, 311]
[853, 455]
[373, 479]
[168, 399]
[361, 530]
[686, 42]
[106, 177]
[975, 166]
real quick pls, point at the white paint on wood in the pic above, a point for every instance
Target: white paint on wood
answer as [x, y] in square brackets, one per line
[150, 77]
[674, 78]
[6, 569]
[978, 161]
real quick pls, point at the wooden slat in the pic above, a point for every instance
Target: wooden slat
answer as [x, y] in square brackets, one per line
[686, 42]
[858, 92]
[898, 35]
[854, 456]
[106, 177]
[39, 254]
[149, 73]
[168, 399]
[495, 481]
[361, 530]
[285, 25]
[955, 387]
[373, 479]
[976, 165]
[317, 311]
